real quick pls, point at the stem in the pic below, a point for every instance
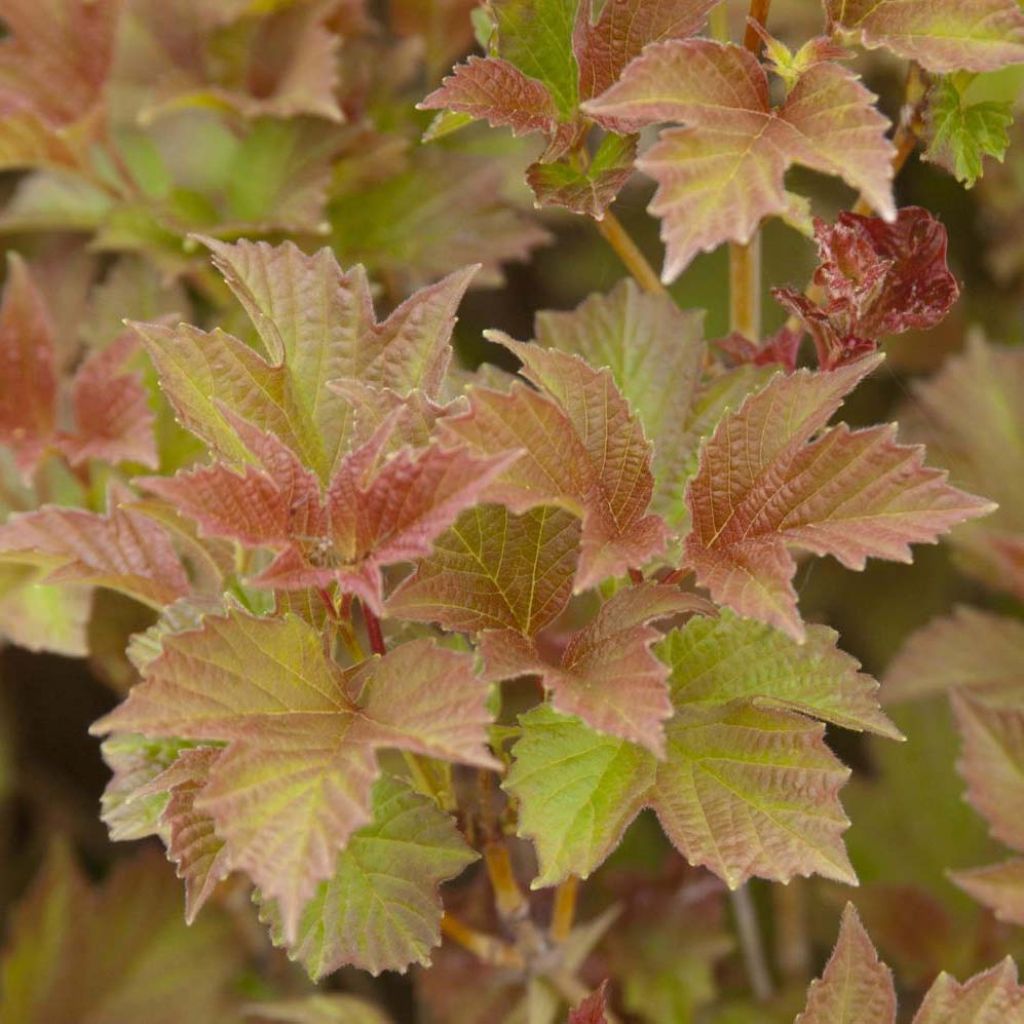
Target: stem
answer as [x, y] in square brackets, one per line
[627, 250]
[792, 950]
[485, 947]
[749, 934]
[565, 909]
[745, 288]
[373, 632]
[759, 14]
[508, 896]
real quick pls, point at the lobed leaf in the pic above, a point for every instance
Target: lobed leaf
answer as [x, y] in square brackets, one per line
[1000, 887]
[722, 175]
[764, 484]
[379, 909]
[991, 997]
[588, 191]
[295, 780]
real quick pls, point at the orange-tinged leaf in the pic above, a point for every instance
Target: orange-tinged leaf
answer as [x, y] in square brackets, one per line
[998, 886]
[991, 997]
[122, 550]
[992, 763]
[771, 478]
[856, 988]
[723, 173]
[607, 675]
[295, 780]
[494, 570]
[583, 448]
[941, 35]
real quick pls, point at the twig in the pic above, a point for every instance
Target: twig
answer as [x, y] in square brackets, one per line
[488, 948]
[628, 251]
[749, 934]
[565, 909]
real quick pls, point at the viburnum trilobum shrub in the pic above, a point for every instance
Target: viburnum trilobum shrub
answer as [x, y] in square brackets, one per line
[491, 658]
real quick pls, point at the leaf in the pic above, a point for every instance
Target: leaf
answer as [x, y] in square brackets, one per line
[607, 675]
[941, 35]
[764, 485]
[28, 387]
[714, 660]
[961, 134]
[588, 191]
[992, 764]
[970, 649]
[723, 174]
[971, 416]
[380, 910]
[855, 987]
[294, 782]
[494, 570]
[117, 953]
[43, 618]
[876, 279]
[317, 324]
[318, 1009]
[592, 1009]
[645, 340]
[122, 550]
[583, 449]
[372, 514]
[991, 997]
[1000, 887]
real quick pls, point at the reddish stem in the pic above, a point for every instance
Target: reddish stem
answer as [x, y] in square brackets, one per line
[373, 632]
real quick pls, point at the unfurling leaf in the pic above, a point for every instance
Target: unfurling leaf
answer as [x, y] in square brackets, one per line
[607, 675]
[772, 477]
[583, 449]
[379, 909]
[960, 134]
[855, 988]
[941, 35]
[295, 780]
[720, 176]
[877, 279]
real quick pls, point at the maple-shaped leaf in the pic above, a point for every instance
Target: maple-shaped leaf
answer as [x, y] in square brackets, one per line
[118, 952]
[992, 763]
[961, 133]
[855, 988]
[876, 279]
[607, 675]
[380, 910]
[590, 190]
[991, 997]
[122, 550]
[710, 662]
[592, 1009]
[971, 416]
[50, 101]
[970, 649]
[375, 511]
[583, 448]
[294, 782]
[941, 35]
[317, 324]
[494, 570]
[998, 886]
[720, 176]
[772, 477]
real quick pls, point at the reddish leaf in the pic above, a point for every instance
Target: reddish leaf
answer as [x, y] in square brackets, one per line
[992, 997]
[588, 191]
[771, 477]
[607, 675]
[28, 383]
[877, 279]
[998, 886]
[721, 175]
[592, 1009]
[123, 550]
[583, 449]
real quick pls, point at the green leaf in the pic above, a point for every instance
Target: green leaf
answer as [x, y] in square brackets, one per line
[591, 190]
[380, 909]
[960, 134]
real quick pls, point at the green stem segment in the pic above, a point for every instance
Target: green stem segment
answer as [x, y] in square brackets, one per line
[629, 252]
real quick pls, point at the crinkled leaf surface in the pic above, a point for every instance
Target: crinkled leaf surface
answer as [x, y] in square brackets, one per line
[855, 987]
[607, 675]
[941, 35]
[588, 191]
[380, 910]
[583, 448]
[970, 649]
[960, 134]
[764, 484]
[722, 174]
[295, 780]
[494, 570]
